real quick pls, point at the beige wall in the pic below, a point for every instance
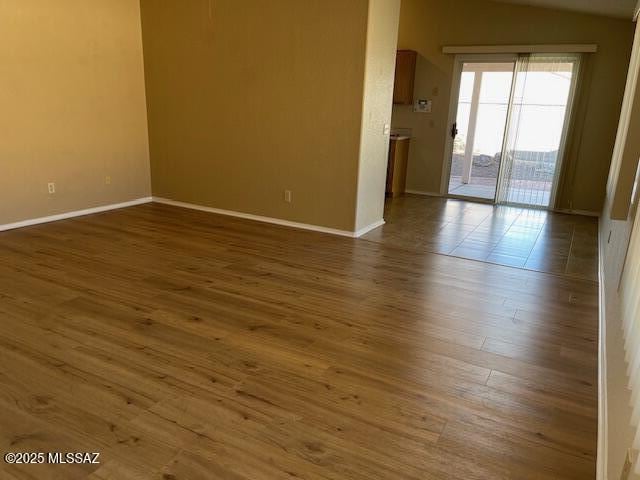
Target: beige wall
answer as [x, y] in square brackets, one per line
[427, 25]
[627, 147]
[382, 34]
[620, 286]
[248, 98]
[73, 106]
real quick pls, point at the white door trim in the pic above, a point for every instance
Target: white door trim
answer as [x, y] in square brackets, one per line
[486, 49]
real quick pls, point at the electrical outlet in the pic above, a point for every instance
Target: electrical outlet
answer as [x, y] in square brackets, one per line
[51, 187]
[288, 196]
[107, 180]
[387, 129]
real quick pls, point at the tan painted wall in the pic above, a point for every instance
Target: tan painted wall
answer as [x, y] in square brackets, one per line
[620, 256]
[428, 25]
[73, 106]
[382, 34]
[248, 98]
[627, 147]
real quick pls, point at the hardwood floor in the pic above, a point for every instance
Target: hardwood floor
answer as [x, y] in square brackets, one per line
[185, 345]
[513, 236]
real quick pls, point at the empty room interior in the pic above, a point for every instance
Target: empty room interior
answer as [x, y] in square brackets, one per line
[319, 239]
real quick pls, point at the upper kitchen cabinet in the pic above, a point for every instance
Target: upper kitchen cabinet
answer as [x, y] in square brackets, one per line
[405, 75]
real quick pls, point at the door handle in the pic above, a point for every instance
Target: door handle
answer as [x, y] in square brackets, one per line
[454, 130]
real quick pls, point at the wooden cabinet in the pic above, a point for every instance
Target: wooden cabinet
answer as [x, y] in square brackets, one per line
[405, 76]
[397, 167]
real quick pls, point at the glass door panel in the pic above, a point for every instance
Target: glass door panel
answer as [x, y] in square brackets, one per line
[536, 129]
[482, 106]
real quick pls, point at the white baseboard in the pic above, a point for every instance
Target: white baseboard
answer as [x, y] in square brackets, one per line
[586, 213]
[425, 194]
[603, 430]
[368, 228]
[139, 201]
[272, 220]
[76, 213]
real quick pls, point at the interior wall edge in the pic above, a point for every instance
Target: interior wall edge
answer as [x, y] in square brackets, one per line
[149, 179]
[625, 153]
[377, 106]
[602, 456]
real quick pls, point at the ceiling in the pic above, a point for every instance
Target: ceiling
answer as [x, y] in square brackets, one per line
[613, 8]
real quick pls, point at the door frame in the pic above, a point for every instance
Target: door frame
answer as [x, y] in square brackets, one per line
[459, 62]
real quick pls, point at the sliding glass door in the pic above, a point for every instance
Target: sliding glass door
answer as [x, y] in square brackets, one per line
[481, 113]
[510, 129]
[536, 129]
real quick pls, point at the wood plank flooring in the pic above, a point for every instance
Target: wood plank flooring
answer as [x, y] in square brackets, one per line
[185, 345]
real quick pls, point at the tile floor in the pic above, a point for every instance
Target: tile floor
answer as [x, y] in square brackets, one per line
[517, 237]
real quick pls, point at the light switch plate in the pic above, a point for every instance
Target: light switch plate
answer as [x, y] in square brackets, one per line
[423, 106]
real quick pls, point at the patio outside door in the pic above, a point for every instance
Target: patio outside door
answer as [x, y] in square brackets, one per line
[511, 121]
[484, 90]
